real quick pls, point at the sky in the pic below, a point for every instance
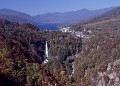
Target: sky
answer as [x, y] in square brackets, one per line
[35, 7]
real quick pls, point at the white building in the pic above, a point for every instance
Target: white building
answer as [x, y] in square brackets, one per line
[66, 29]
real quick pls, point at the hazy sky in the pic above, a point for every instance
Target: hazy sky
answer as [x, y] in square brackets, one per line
[34, 7]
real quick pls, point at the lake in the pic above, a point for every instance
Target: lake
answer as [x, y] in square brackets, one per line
[49, 26]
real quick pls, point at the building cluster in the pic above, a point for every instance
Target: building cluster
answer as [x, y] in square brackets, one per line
[77, 33]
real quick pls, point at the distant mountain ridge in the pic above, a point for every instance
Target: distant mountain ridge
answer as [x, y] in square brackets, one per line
[111, 17]
[108, 22]
[112, 14]
[51, 18]
[16, 16]
[70, 17]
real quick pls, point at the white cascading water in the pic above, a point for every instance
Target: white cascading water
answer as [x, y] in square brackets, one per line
[72, 69]
[46, 50]
[46, 53]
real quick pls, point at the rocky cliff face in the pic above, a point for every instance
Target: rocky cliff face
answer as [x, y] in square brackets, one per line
[111, 77]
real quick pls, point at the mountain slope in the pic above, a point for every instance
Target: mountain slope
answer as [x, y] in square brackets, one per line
[16, 16]
[108, 21]
[18, 68]
[113, 14]
[22, 48]
[70, 17]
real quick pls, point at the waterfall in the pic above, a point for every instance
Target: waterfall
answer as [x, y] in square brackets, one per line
[72, 69]
[46, 50]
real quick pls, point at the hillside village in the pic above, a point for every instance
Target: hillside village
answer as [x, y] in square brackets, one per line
[77, 33]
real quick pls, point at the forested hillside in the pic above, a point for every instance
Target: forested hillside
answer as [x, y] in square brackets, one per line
[19, 66]
[99, 61]
[22, 54]
[36, 49]
[95, 59]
